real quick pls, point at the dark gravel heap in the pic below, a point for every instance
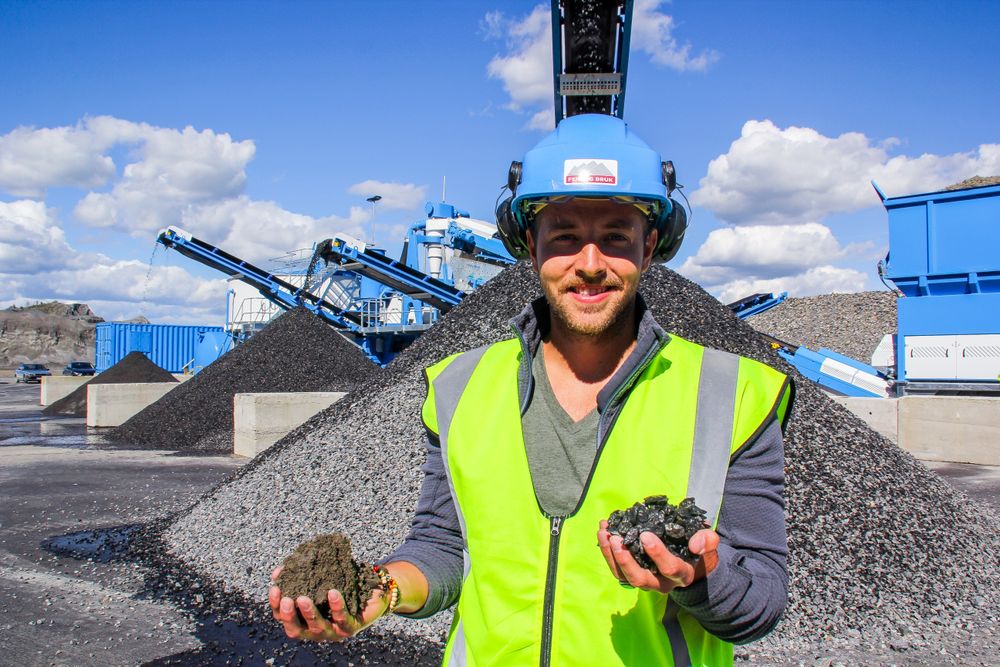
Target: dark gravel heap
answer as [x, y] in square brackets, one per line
[134, 367]
[851, 324]
[296, 351]
[882, 549]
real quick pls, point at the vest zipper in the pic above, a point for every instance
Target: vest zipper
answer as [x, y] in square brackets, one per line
[550, 589]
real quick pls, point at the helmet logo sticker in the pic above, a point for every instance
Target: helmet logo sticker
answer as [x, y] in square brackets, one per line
[590, 171]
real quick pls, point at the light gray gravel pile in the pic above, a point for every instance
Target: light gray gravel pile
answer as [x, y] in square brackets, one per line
[975, 182]
[881, 548]
[851, 324]
[296, 351]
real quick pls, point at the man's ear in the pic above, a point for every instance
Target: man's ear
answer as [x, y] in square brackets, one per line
[649, 247]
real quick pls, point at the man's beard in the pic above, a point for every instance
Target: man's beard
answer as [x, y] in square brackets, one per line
[588, 327]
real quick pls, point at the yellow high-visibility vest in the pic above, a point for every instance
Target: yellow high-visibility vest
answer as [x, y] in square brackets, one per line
[536, 589]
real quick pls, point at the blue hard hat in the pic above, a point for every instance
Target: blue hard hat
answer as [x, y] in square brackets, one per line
[596, 156]
[590, 155]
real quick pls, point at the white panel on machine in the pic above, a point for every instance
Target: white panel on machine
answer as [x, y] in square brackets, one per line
[978, 356]
[965, 357]
[930, 357]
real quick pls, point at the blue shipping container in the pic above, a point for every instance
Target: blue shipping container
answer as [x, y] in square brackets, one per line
[170, 346]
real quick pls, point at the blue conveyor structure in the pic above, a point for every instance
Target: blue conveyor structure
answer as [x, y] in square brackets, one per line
[375, 265]
[756, 304]
[590, 48]
[380, 303]
[278, 290]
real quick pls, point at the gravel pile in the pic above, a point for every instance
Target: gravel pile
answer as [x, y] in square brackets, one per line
[881, 548]
[851, 324]
[975, 182]
[134, 367]
[296, 351]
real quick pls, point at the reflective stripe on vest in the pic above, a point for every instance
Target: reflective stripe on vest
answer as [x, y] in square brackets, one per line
[473, 406]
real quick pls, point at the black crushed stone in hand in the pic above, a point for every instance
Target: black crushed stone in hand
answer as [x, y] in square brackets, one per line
[673, 524]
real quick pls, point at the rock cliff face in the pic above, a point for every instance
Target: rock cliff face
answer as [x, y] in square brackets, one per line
[50, 333]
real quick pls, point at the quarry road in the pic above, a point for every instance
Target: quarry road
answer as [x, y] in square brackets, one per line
[57, 486]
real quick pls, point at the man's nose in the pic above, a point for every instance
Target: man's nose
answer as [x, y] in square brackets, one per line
[590, 259]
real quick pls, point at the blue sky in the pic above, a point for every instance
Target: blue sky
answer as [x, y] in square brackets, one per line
[264, 126]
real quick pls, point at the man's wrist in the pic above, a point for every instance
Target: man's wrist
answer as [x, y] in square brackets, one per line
[411, 586]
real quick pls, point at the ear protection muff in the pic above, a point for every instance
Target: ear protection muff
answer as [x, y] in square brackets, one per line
[670, 225]
[670, 230]
[513, 236]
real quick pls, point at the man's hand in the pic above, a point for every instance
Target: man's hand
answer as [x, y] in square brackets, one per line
[339, 627]
[674, 572]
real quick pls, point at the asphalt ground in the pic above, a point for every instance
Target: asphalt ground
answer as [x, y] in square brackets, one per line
[58, 484]
[69, 504]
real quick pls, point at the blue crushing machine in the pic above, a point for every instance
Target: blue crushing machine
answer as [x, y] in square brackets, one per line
[944, 259]
[379, 303]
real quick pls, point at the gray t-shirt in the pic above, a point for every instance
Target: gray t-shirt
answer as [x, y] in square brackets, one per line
[560, 451]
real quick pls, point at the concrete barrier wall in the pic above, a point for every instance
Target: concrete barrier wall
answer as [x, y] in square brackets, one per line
[960, 429]
[114, 404]
[55, 387]
[956, 429]
[260, 420]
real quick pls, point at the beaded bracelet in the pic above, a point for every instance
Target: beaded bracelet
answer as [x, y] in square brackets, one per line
[389, 587]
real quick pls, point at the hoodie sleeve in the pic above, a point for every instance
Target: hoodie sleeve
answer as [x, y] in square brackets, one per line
[745, 596]
[434, 544]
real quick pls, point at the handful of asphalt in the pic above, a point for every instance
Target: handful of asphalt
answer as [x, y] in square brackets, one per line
[888, 563]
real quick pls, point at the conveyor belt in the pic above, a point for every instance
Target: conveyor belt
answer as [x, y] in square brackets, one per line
[590, 45]
[395, 274]
[277, 290]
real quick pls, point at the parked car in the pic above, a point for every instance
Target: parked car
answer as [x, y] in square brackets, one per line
[31, 372]
[79, 368]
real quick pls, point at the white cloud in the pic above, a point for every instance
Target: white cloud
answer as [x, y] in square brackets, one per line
[31, 239]
[544, 120]
[761, 252]
[526, 72]
[402, 196]
[177, 169]
[189, 178]
[818, 280]
[736, 261]
[653, 34]
[134, 282]
[260, 230]
[37, 264]
[32, 160]
[780, 176]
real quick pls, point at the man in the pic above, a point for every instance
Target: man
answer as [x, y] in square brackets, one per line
[592, 407]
